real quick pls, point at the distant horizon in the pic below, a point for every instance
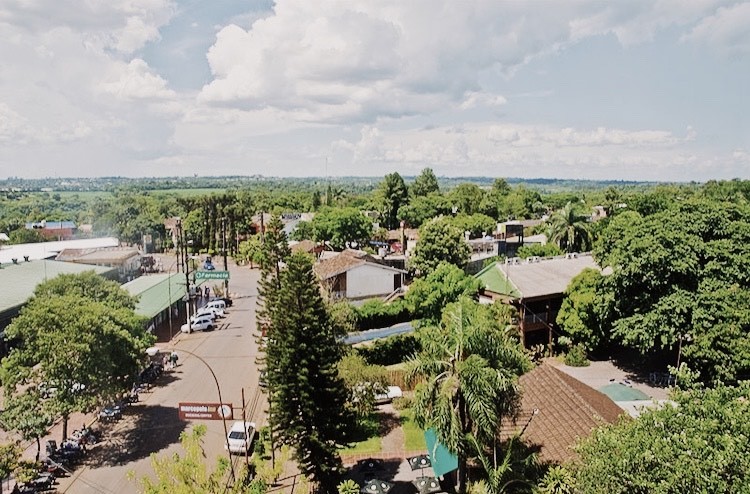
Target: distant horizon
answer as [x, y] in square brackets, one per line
[355, 177]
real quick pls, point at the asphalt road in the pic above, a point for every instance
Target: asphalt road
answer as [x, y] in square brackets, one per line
[153, 426]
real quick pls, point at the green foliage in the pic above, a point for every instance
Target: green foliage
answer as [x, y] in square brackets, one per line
[86, 285]
[539, 250]
[570, 230]
[576, 356]
[476, 224]
[391, 350]
[25, 236]
[250, 251]
[89, 354]
[393, 194]
[581, 316]
[466, 198]
[428, 296]
[438, 242]
[521, 202]
[425, 184]
[307, 397]
[424, 208]
[378, 314]
[557, 480]
[682, 274]
[348, 487]
[25, 414]
[341, 226]
[697, 445]
[344, 316]
[471, 366]
[190, 473]
[10, 453]
[364, 381]
[304, 230]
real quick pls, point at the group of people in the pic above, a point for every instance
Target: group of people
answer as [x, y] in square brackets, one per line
[170, 361]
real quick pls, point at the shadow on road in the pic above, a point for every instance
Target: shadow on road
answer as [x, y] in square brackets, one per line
[154, 427]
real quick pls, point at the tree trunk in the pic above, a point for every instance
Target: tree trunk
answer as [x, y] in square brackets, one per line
[38, 447]
[64, 429]
[463, 418]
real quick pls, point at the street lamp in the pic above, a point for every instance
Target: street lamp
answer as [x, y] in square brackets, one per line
[153, 351]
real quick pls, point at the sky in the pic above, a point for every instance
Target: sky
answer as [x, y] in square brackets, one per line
[578, 89]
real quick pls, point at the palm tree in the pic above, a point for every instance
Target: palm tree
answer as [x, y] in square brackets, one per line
[570, 230]
[471, 367]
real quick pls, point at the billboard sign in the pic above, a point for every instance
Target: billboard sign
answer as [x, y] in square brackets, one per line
[205, 411]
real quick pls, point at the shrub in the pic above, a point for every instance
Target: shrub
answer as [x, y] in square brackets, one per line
[402, 403]
[391, 350]
[377, 314]
[576, 356]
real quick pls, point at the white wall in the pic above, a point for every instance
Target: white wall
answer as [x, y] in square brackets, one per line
[368, 280]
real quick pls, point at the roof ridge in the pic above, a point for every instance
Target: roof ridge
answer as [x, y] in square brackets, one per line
[564, 377]
[509, 279]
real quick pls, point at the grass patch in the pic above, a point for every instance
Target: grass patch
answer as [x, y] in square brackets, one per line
[413, 435]
[366, 437]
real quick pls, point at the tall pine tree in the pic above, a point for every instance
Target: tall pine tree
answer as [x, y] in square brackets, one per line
[306, 395]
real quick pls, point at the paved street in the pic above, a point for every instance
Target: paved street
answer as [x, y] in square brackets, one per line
[152, 426]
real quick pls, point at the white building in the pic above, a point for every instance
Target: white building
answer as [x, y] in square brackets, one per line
[356, 275]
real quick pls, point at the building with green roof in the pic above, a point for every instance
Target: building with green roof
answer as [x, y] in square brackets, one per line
[536, 287]
[161, 299]
[19, 280]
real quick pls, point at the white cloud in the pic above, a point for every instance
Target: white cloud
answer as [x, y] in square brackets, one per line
[521, 150]
[727, 30]
[134, 81]
[386, 82]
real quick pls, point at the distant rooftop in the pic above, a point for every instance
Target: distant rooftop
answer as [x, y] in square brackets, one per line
[47, 250]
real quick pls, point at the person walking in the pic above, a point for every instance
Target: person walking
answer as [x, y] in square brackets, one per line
[173, 358]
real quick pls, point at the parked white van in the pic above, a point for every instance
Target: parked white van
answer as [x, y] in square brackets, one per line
[240, 437]
[219, 305]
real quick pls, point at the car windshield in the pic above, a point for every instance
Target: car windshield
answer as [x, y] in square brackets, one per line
[237, 435]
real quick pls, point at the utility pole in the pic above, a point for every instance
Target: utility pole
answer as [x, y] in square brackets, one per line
[224, 252]
[186, 267]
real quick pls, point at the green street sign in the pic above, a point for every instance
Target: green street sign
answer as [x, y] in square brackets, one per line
[211, 275]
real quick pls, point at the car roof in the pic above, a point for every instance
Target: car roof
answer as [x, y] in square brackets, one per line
[238, 426]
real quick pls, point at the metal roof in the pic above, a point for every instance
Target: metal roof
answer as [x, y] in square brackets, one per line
[156, 292]
[46, 250]
[535, 279]
[18, 281]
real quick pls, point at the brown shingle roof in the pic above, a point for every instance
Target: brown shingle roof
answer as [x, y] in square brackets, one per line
[303, 246]
[344, 261]
[567, 410]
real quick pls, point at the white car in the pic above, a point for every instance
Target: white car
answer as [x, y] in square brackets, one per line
[240, 437]
[202, 323]
[207, 311]
[391, 393]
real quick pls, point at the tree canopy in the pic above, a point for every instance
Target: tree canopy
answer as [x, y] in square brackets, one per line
[682, 275]
[307, 397]
[471, 365]
[74, 348]
[342, 226]
[439, 241]
[697, 445]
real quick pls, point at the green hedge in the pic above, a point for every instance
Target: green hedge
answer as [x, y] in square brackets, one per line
[391, 350]
[377, 314]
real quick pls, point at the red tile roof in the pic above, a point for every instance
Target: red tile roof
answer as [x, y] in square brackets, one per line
[566, 408]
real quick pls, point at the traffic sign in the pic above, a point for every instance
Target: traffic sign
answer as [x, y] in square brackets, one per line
[211, 275]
